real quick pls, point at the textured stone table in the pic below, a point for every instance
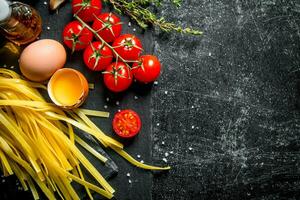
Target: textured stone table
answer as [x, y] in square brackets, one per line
[227, 102]
[225, 112]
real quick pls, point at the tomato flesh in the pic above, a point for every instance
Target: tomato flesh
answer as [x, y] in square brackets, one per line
[126, 123]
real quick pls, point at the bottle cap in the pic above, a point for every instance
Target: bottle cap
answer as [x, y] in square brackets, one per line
[5, 10]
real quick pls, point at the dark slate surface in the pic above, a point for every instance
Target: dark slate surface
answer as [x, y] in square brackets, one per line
[225, 112]
[137, 98]
[227, 102]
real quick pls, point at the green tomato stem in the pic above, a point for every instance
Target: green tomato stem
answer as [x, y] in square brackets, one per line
[104, 42]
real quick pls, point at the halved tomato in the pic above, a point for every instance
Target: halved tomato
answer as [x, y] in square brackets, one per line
[126, 123]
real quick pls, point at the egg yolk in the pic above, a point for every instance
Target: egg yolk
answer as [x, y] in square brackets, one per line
[67, 88]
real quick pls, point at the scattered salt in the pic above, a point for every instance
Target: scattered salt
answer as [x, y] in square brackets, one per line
[128, 174]
[165, 160]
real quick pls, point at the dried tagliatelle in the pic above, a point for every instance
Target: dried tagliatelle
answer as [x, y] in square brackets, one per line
[37, 142]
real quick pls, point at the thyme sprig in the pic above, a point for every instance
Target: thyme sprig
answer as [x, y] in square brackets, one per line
[139, 11]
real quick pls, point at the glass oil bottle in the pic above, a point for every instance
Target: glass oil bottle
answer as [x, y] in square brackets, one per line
[19, 22]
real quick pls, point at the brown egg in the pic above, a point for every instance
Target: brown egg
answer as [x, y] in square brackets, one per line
[41, 59]
[68, 88]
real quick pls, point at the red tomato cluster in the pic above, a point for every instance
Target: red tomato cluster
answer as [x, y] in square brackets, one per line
[118, 56]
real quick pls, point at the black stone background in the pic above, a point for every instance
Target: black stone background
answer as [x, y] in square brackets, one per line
[225, 112]
[227, 101]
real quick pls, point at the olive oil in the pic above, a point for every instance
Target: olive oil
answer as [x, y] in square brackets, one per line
[19, 22]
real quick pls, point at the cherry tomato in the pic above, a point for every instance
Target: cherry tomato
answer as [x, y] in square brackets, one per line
[147, 69]
[117, 77]
[128, 46]
[108, 26]
[86, 9]
[127, 123]
[97, 56]
[76, 37]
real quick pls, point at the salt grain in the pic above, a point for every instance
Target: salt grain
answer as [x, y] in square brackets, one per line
[129, 181]
[117, 103]
[165, 160]
[166, 92]
[105, 106]
[135, 97]
[171, 152]
[48, 28]
[193, 127]
[166, 154]
[190, 148]
[142, 161]
[157, 124]
[138, 156]
[45, 3]
[129, 23]
[128, 174]
[163, 142]
[107, 99]
[155, 83]
[134, 30]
